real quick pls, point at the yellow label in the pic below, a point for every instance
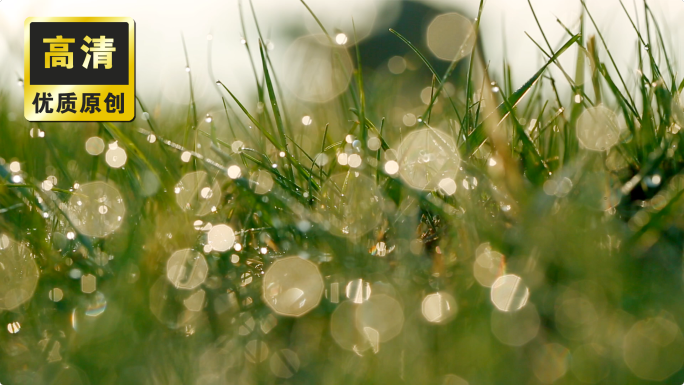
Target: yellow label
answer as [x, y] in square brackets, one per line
[79, 69]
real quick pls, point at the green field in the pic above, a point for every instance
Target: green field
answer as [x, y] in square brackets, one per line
[354, 225]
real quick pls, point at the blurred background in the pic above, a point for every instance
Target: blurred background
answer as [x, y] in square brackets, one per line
[531, 254]
[216, 24]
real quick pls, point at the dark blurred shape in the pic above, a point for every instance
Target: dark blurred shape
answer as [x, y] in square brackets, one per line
[412, 23]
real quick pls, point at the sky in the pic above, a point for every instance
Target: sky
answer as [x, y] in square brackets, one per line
[161, 26]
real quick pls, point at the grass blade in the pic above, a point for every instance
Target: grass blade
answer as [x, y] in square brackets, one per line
[479, 134]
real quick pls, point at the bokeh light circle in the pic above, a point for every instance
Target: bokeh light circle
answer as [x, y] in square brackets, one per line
[343, 328]
[261, 182]
[426, 157]
[96, 209]
[598, 129]
[653, 349]
[380, 316]
[509, 293]
[590, 363]
[317, 71]
[197, 193]
[284, 363]
[351, 204]
[358, 290]
[451, 36]
[550, 362]
[439, 307]
[518, 328]
[292, 286]
[576, 316]
[94, 145]
[116, 157]
[351, 20]
[488, 266]
[256, 351]
[166, 304]
[221, 237]
[186, 269]
[18, 273]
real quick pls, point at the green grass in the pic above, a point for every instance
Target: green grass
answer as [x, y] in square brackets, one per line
[613, 240]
